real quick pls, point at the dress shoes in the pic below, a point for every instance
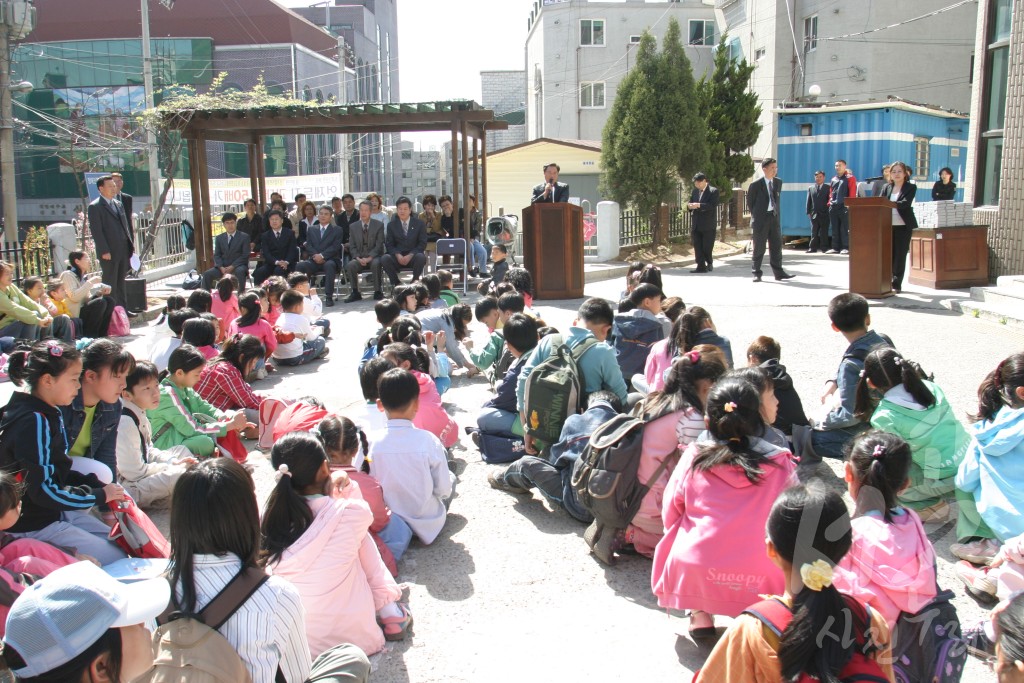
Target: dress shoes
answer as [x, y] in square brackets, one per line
[132, 314]
[699, 270]
[785, 276]
[329, 302]
[757, 278]
[354, 296]
[378, 295]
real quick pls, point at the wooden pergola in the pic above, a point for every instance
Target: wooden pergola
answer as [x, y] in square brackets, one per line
[467, 121]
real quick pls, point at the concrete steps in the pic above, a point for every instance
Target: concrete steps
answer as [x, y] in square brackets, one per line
[1003, 303]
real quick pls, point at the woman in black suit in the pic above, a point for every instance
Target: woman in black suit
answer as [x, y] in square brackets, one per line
[901, 191]
[944, 188]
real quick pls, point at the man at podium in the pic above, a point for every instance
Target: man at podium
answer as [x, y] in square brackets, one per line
[551, 190]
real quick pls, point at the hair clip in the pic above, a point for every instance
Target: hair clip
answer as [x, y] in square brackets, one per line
[729, 407]
[237, 337]
[861, 374]
[694, 356]
[879, 452]
[54, 349]
[816, 575]
[898, 361]
[282, 471]
[998, 377]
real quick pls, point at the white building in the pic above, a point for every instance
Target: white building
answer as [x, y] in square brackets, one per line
[504, 93]
[845, 50]
[577, 53]
[421, 172]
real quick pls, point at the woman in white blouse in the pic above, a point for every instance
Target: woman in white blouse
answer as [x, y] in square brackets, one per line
[901, 191]
[215, 534]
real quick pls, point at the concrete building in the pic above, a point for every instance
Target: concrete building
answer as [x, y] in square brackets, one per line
[420, 172]
[577, 53]
[370, 31]
[504, 92]
[995, 152]
[838, 47]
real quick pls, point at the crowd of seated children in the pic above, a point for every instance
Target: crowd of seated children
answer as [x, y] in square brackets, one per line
[430, 415]
[306, 344]
[20, 316]
[183, 417]
[448, 295]
[225, 304]
[222, 382]
[202, 334]
[164, 346]
[146, 472]
[766, 353]
[410, 463]
[316, 534]
[500, 415]
[454, 323]
[60, 326]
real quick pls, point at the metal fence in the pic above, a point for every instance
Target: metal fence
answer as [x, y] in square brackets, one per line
[638, 230]
[27, 261]
[170, 238]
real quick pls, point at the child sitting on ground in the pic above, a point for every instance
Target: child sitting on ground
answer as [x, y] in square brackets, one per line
[915, 409]
[454, 323]
[368, 416]
[715, 508]
[164, 347]
[808, 534]
[225, 303]
[432, 283]
[891, 565]
[223, 380]
[274, 287]
[637, 330]
[57, 296]
[307, 345]
[486, 312]
[146, 472]
[315, 533]
[60, 326]
[343, 441]
[765, 352]
[251, 321]
[499, 266]
[447, 293]
[769, 404]
[201, 334]
[183, 418]
[500, 415]
[410, 463]
[431, 415]
[200, 301]
[312, 306]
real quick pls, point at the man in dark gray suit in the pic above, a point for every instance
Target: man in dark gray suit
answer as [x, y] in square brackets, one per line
[551, 190]
[122, 196]
[817, 212]
[230, 254]
[764, 201]
[365, 249]
[324, 244]
[111, 231]
[703, 207]
[405, 242]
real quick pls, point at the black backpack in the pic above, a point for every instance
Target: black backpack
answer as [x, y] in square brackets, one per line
[633, 338]
[928, 646]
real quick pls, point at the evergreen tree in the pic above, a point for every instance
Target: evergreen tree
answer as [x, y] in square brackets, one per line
[731, 110]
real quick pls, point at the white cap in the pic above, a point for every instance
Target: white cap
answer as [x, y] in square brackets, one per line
[64, 614]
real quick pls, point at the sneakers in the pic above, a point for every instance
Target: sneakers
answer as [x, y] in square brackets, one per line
[976, 581]
[603, 542]
[934, 513]
[396, 628]
[832, 251]
[497, 481]
[981, 551]
[844, 251]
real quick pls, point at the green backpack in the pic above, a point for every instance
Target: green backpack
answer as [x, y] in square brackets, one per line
[554, 390]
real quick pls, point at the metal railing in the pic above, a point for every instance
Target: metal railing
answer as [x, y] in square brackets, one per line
[170, 238]
[635, 229]
[27, 261]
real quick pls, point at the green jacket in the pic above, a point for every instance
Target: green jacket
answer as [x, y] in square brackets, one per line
[450, 297]
[489, 355]
[938, 441]
[16, 306]
[174, 419]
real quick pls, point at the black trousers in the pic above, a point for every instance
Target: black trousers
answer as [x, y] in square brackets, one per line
[114, 273]
[329, 268]
[265, 270]
[95, 315]
[213, 276]
[767, 233]
[900, 248]
[390, 265]
[703, 246]
[819, 231]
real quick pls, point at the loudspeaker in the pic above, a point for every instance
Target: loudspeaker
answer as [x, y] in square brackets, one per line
[135, 293]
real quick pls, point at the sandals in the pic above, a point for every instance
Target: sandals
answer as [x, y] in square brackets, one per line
[703, 633]
[396, 628]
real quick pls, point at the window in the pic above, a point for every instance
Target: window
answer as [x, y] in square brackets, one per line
[702, 32]
[811, 33]
[592, 32]
[407, 154]
[759, 54]
[993, 103]
[806, 130]
[922, 157]
[592, 95]
[735, 50]
[634, 40]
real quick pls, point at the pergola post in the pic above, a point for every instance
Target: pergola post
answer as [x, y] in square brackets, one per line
[465, 179]
[261, 176]
[254, 182]
[192, 146]
[476, 171]
[484, 207]
[204, 227]
[455, 175]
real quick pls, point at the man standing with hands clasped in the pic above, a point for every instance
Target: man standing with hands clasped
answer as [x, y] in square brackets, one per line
[763, 200]
[111, 230]
[703, 209]
[817, 212]
[551, 190]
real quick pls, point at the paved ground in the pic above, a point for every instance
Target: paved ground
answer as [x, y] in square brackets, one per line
[508, 589]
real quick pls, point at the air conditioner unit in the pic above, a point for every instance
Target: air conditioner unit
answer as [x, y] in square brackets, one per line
[20, 16]
[634, 40]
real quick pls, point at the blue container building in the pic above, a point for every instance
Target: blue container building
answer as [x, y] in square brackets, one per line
[868, 136]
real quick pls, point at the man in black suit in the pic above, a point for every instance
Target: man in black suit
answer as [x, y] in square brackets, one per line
[348, 214]
[405, 242]
[365, 249]
[230, 254]
[252, 225]
[764, 201]
[122, 196]
[551, 190]
[324, 245]
[279, 249]
[110, 225]
[817, 212]
[703, 209]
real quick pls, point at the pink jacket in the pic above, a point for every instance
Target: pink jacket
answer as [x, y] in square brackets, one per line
[431, 415]
[226, 311]
[891, 567]
[658, 361]
[373, 494]
[712, 557]
[338, 572]
[661, 441]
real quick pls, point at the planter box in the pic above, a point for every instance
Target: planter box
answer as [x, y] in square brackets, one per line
[949, 258]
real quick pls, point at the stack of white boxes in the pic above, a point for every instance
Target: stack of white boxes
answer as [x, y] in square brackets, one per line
[942, 214]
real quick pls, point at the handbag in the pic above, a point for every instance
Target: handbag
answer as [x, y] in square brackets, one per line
[135, 532]
[192, 280]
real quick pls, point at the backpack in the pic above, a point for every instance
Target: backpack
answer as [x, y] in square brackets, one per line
[928, 645]
[190, 648]
[135, 533]
[554, 390]
[859, 354]
[776, 615]
[188, 235]
[605, 477]
[119, 326]
[633, 338]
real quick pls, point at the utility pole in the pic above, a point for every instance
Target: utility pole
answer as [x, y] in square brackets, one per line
[152, 152]
[17, 19]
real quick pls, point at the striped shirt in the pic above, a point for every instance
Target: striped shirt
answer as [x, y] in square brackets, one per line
[268, 631]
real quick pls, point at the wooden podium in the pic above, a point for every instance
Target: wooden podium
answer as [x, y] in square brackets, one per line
[871, 246]
[553, 249]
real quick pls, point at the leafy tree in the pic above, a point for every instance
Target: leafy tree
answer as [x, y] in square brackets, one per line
[730, 109]
[655, 130]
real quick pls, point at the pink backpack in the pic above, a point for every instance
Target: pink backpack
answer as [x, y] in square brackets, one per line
[119, 326]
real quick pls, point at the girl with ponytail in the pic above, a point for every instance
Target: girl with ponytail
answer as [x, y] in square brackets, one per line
[992, 473]
[812, 631]
[315, 533]
[344, 442]
[710, 560]
[222, 382]
[891, 566]
[896, 396]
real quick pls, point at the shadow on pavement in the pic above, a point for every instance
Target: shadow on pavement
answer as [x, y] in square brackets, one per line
[448, 580]
[548, 521]
[693, 655]
[630, 578]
